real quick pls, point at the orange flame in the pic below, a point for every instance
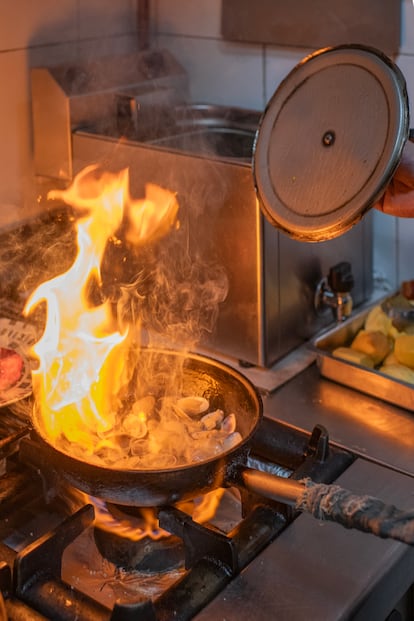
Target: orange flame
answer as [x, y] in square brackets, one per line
[201, 509]
[81, 352]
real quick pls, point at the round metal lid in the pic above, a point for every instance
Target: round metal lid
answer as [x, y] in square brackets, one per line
[330, 140]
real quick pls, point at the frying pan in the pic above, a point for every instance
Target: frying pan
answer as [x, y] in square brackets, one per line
[229, 390]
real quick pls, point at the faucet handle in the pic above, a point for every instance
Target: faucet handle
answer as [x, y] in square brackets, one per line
[340, 277]
[334, 291]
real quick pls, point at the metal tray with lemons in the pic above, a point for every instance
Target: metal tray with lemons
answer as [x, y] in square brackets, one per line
[373, 350]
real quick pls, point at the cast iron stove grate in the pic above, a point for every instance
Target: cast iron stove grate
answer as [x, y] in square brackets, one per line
[36, 533]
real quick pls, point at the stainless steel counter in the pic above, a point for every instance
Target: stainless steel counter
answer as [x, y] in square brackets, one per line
[320, 571]
[367, 426]
[316, 570]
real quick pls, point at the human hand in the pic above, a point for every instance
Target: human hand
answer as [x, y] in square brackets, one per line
[398, 199]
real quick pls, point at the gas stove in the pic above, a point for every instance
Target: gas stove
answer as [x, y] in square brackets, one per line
[56, 564]
[255, 559]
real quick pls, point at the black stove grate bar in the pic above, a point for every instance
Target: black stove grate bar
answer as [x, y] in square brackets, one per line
[57, 600]
[37, 574]
[141, 611]
[199, 541]
[193, 592]
[45, 554]
[209, 574]
[257, 530]
[16, 488]
[9, 444]
[17, 610]
[306, 455]
[7, 556]
[5, 578]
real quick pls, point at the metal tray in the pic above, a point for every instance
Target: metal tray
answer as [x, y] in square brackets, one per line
[368, 381]
[209, 130]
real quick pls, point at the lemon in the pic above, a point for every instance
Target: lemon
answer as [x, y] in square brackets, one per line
[398, 371]
[375, 344]
[378, 321]
[354, 356]
[404, 350]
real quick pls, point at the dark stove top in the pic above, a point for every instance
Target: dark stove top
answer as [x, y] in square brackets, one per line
[51, 560]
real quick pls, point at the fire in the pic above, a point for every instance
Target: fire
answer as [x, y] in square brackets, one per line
[82, 352]
[89, 401]
[202, 509]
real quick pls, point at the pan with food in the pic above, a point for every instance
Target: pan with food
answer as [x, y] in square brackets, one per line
[231, 391]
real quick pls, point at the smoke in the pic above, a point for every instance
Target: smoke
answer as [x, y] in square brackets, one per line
[176, 295]
[34, 252]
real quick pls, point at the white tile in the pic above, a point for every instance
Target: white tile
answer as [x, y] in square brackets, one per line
[219, 72]
[81, 51]
[106, 46]
[16, 175]
[385, 248]
[46, 33]
[188, 17]
[405, 256]
[278, 63]
[52, 55]
[24, 23]
[406, 64]
[100, 18]
[407, 27]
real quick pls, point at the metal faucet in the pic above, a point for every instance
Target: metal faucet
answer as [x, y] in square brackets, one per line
[333, 291]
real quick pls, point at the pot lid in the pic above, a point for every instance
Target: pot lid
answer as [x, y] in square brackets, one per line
[330, 140]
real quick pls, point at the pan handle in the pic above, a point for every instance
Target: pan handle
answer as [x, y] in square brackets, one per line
[334, 503]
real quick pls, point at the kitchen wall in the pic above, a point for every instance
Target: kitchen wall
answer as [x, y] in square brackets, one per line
[47, 32]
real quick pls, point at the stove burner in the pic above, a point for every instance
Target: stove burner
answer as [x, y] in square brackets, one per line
[58, 575]
[149, 555]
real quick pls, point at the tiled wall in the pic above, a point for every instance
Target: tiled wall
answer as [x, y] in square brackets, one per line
[47, 32]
